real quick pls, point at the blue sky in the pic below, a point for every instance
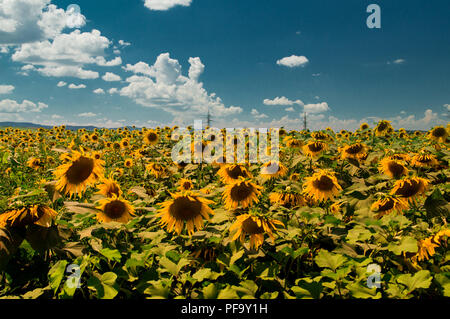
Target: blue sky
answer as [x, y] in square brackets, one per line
[252, 63]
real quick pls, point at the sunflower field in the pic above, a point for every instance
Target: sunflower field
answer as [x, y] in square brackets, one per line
[107, 214]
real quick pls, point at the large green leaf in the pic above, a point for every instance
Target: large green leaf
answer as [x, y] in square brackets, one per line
[407, 244]
[111, 254]
[421, 279]
[56, 274]
[326, 259]
[105, 285]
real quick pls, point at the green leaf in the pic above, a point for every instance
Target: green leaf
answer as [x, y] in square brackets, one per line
[227, 293]
[358, 234]
[210, 292]
[436, 205]
[171, 267]
[56, 274]
[308, 288]
[326, 259]
[407, 244]
[444, 281]
[111, 254]
[363, 292]
[105, 285]
[248, 288]
[205, 273]
[421, 279]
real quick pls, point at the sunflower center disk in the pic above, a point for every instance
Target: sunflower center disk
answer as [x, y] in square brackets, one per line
[323, 183]
[389, 204]
[251, 227]
[241, 192]
[115, 209]
[315, 147]
[409, 188]
[80, 170]
[354, 149]
[185, 209]
[236, 172]
[439, 132]
[396, 169]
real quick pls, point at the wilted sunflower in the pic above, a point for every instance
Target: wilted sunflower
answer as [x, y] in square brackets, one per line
[185, 184]
[114, 209]
[156, 169]
[81, 171]
[287, 199]
[322, 186]
[424, 160]
[184, 207]
[383, 128]
[34, 163]
[255, 227]
[273, 169]
[242, 192]
[230, 173]
[392, 168]
[292, 142]
[438, 134]
[151, 137]
[400, 157]
[314, 149]
[109, 188]
[410, 188]
[352, 151]
[388, 204]
[36, 214]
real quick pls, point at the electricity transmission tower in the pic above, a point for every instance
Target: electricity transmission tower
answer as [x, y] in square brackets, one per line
[304, 121]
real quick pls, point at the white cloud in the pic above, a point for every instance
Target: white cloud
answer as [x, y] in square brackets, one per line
[447, 106]
[293, 61]
[76, 87]
[113, 91]
[162, 5]
[12, 106]
[61, 84]
[99, 91]
[258, 115]
[289, 109]
[163, 85]
[87, 114]
[124, 44]
[316, 108]
[56, 117]
[111, 77]
[282, 101]
[316, 74]
[23, 21]
[102, 61]
[397, 61]
[6, 89]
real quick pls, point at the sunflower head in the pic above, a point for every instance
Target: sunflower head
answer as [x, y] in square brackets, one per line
[242, 192]
[438, 134]
[185, 184]
[392, 168]
[36, 214]
[109, 188]
[114, 209]
[353, 151]
[322, 186]
[383, 128]
[314, 148]
[230, 173]
[184, 208]
[151, 137]
[410, 188]
[388, 204]
[424, 160]
[273, 169]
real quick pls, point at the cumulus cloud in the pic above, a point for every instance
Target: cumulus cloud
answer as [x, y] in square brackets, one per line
[163, 5]
[281, 101]
[61, 84]
[99, 91]
[316, 108]
[162, 85]
[111, 77]
[123, 43]
[258, 115]
[76, 87]
[293, 61]
[87, 114]
[289, 109]
[12, 106]
[6, 89]
[113, 91]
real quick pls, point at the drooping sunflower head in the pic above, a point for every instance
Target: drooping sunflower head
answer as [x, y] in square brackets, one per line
[242, 192]
[410, 188]
[36, 214]
[34, 163]
[314, 149]
[114, 209]
[438, 134]
[424, 160]
[388, 204]
[287, 198]
[399, 157]
[184, 208]
[255, 227]
[80, 172]
[230, 173]
[109, 188]
[352, 151]
[392, 168]
[273, 169]
[383, 128]
[293, 142]
[185, 184]
[156, 169]
[151, 137]
[320, 136]
[322, 186]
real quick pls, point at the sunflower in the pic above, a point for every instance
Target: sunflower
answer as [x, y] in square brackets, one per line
[352, 151]
[36, 214]
[287, 198]
[184, 207]
[34, 163]
[273, 169]
[151, 137]
[255, 227]
[392, 168]
[230, 173]
[364, 126]
[438, 134]
[157, 170]
[185, 184]
[321, 136]
[124, 143]
[388, 204]
[81, 171]
[383, 128]
[242, 192]
[424, 160]
[128, 163]
[314, 149]
[322, 186]
[439, 235]
[410, 188]
[114, 209]
[400, 157]
[336, 208]
[109, 188]
[293, 143]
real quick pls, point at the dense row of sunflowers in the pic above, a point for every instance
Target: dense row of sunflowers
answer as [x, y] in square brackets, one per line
[114, 203]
